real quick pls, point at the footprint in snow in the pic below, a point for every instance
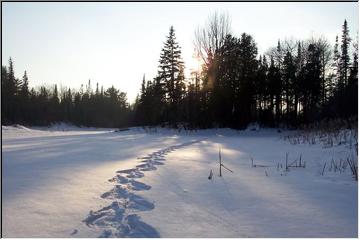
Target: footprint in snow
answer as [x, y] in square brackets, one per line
[157, 163]
[126, 170]
[137, 186]
[132, 173]
[128, 199]
[112, 213]
[119, 178]
[114, 219]
[130, 183]
[146, 167]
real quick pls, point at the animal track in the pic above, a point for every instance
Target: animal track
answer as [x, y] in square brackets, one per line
[137, 186]
[102, 217]
[119, 179]
[115, 219]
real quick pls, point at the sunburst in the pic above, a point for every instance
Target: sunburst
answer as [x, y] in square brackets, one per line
[194, 64]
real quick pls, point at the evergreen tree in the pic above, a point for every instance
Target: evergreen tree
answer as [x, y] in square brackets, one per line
[354, 68]
[344, 57]
[24, 97]
[299, 80]
[11, 87]
[289, 71]
[325, 58]
[352, 89]
[143, 89]
[24, 88]
[336, 64]
[312, 83]
[5, 95]
[278, 83]
[273, 89]
[261, 87]
[169, 85]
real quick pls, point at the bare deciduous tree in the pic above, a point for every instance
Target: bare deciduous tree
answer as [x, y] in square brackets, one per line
[210, 38]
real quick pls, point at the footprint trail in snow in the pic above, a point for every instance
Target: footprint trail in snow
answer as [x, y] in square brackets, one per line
[119, 219]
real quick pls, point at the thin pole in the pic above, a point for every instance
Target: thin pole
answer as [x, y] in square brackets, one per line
[220, 160]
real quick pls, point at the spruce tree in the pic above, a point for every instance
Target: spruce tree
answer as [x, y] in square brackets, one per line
[5, 95]
[344, 57]
[12, 89]
[353, 78]
[312, 83]
[169, 85]
[24, 97]
[289, 71]
[24, 86]
[299, 80]
[352, 88]
[278, 83]
[336, 59]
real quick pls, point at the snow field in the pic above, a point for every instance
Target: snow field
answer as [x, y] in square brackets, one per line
[138, 184]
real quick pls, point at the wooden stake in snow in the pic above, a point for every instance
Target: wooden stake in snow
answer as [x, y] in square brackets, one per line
[222, 165]
[220, 161]
[211, 174]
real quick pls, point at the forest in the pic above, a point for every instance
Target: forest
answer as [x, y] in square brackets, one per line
[294, 83]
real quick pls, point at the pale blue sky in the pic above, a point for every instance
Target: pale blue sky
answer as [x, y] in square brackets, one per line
[116, 43]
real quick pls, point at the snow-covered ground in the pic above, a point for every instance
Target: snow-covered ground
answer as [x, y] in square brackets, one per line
[72, 182]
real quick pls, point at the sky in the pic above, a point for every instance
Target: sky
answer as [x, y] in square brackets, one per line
[117, 43]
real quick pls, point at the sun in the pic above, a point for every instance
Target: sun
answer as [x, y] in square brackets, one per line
[194, 64]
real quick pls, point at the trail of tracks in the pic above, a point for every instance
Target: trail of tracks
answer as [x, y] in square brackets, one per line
[120, 218]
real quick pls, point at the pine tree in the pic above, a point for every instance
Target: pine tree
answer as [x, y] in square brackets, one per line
[336, 59]
[274, 88]
[353, 78]
[312, 83]
[233, 102]
[352, 89]
[289, 71]
[325, 57]
[11, 87]
[11, 77]
[169, 85]
[344, 57]
[299, 80]
[24, 97]
[143, 88]
[54, 103]
[97, 92]
[260, 84]
[5, 95]
[278, 83]
[55, 96]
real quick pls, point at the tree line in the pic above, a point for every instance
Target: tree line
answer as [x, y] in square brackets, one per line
[46, 105]
[293, 83]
